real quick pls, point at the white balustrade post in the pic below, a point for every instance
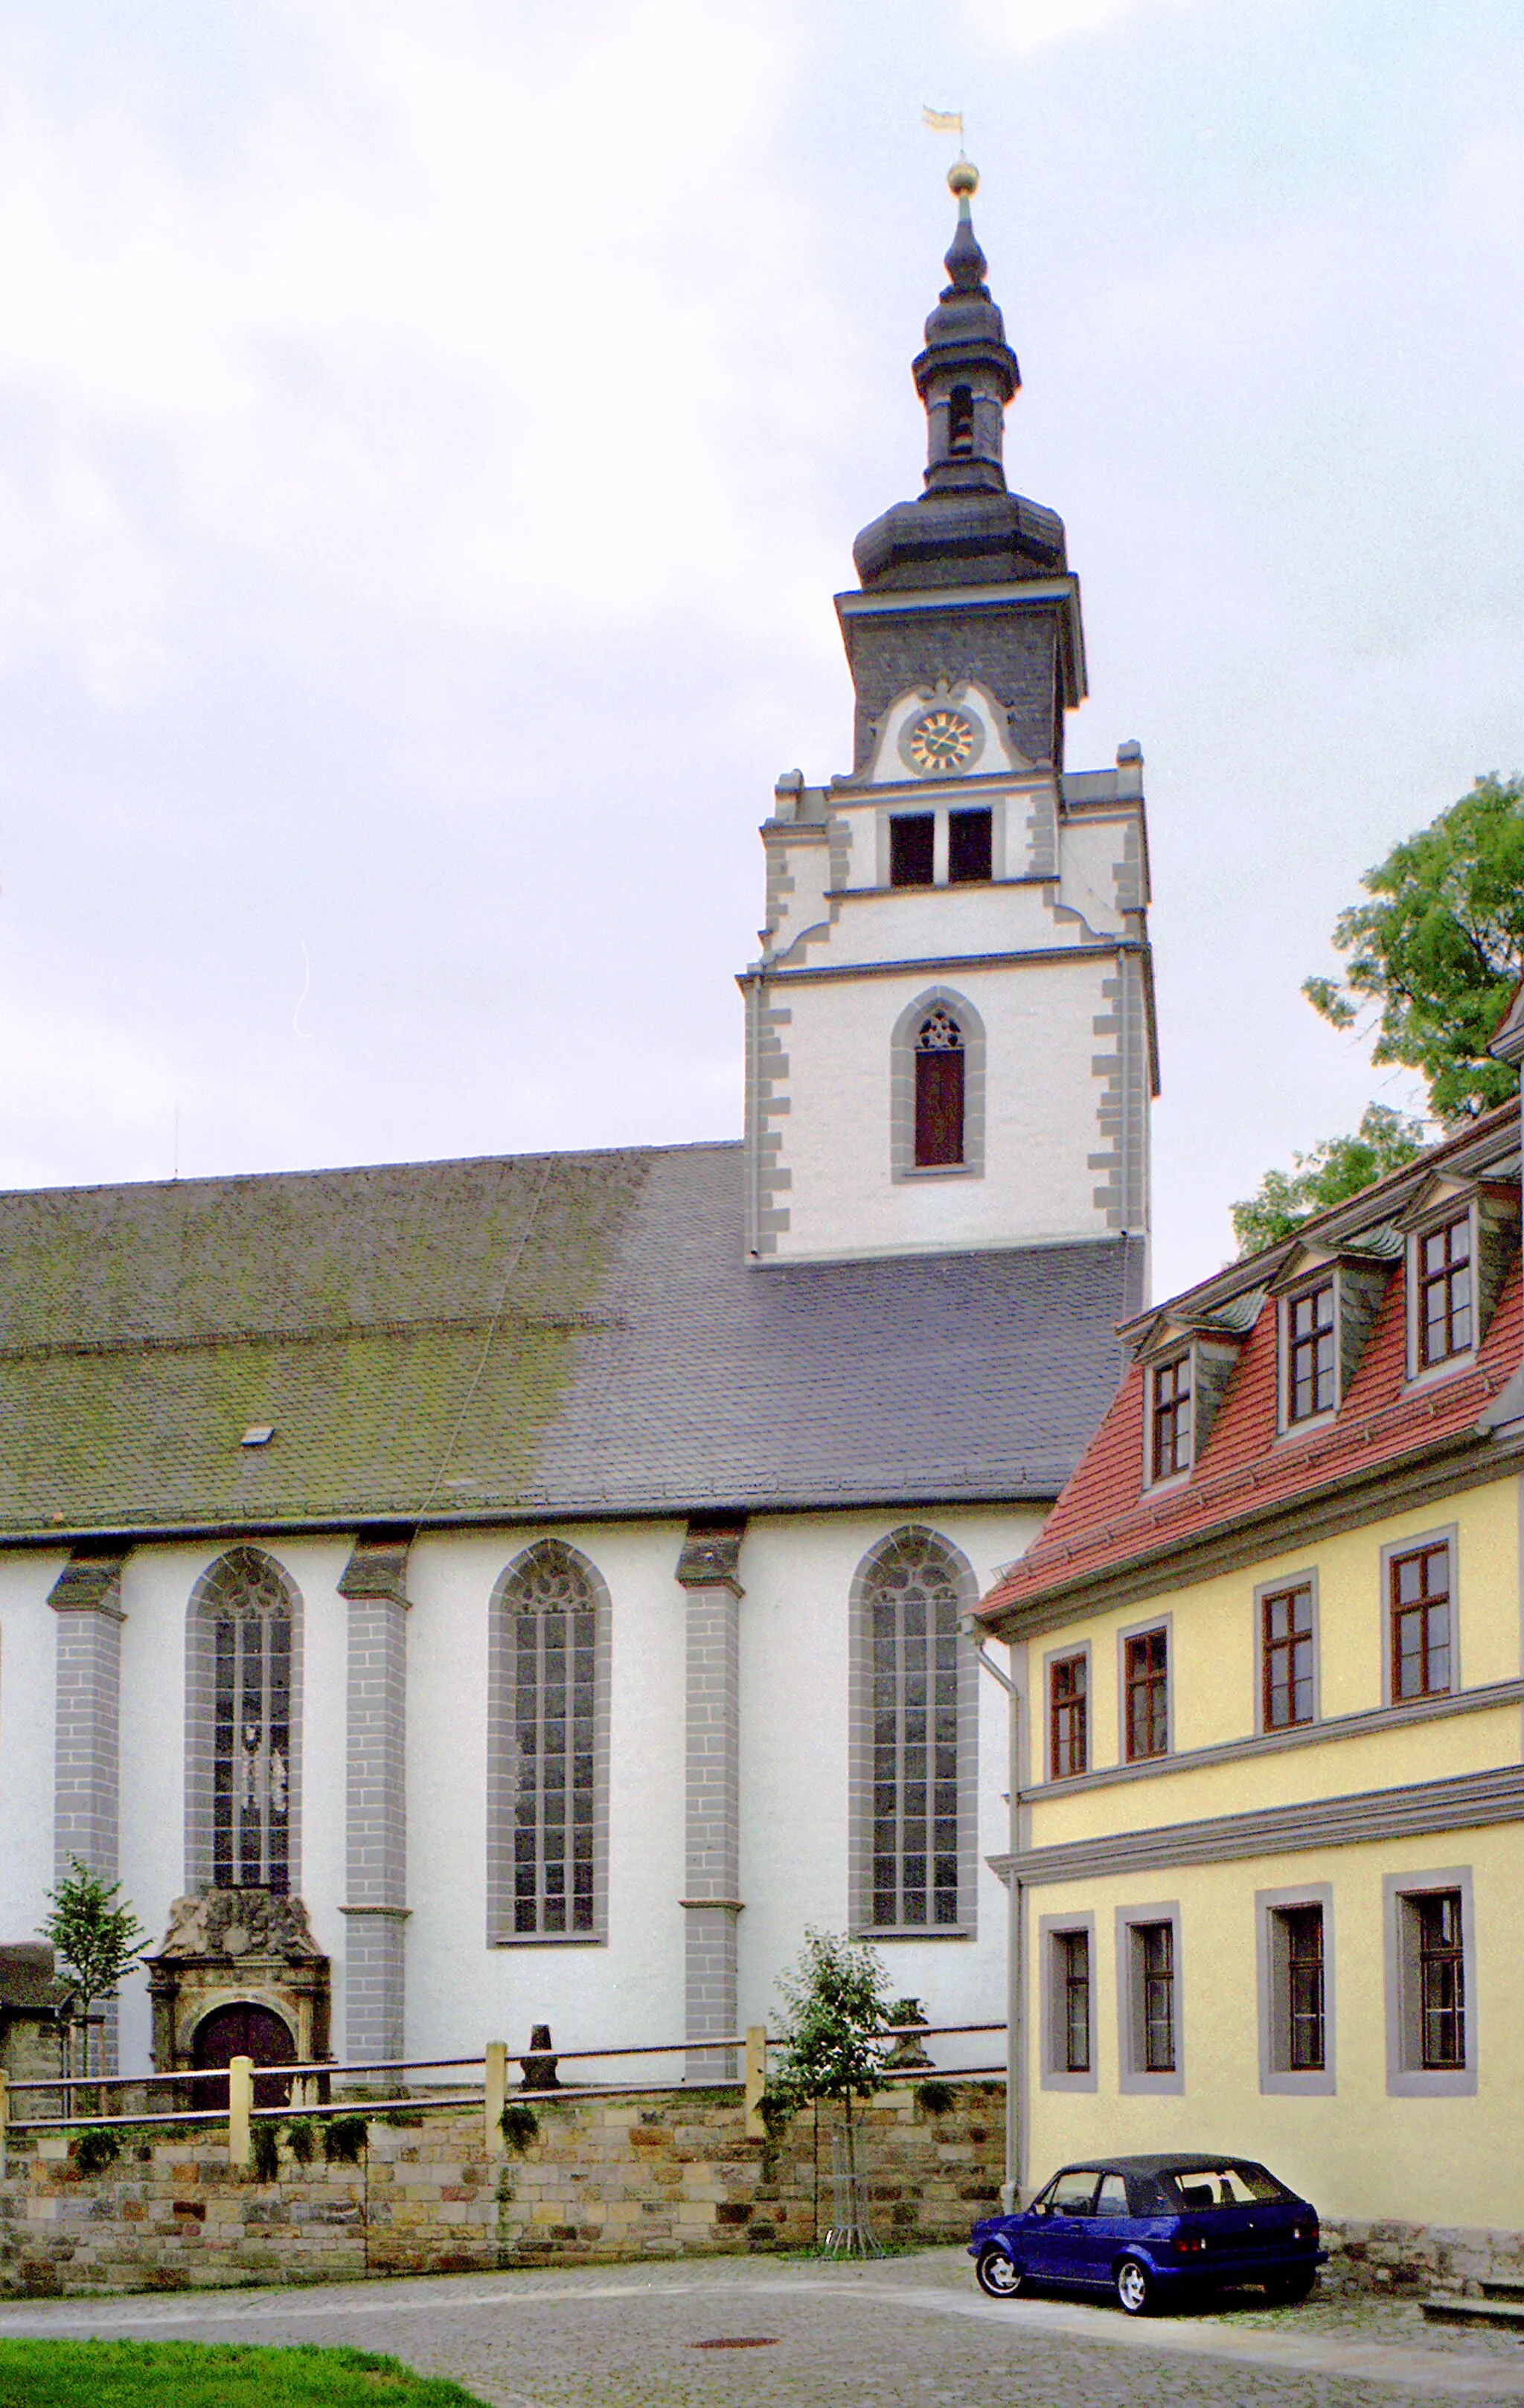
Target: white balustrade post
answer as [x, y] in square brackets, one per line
[495, 2094]
[240, 2101]
[756, 2079]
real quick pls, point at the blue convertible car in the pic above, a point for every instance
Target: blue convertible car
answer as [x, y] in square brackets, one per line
[1154, 2230]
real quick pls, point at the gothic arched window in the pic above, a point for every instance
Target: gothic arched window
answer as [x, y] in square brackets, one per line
[916, 1711]
[937, 1086]
[240, 1801]
[938, 1090]
[549, 1734]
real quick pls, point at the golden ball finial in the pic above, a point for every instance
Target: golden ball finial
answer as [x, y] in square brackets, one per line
[962, 177]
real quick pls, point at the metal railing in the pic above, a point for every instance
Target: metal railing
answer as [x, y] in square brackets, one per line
[489, 2097]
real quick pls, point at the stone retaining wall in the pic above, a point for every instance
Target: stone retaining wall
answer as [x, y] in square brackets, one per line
[659, 2174]
[1395, 2261]
[654, 2175]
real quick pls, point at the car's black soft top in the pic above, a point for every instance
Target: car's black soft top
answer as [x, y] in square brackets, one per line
[1174, 2162]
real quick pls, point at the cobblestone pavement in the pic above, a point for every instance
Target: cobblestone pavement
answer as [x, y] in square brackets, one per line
[909, 2333]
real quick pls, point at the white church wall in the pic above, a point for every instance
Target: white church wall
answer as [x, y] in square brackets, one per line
[1091, 858]
[1037, 1185]
[28, 1643]
[631, 1987]
[936, 923]
[798, 1574]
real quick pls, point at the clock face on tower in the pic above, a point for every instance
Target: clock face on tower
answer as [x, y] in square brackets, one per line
[941, 743]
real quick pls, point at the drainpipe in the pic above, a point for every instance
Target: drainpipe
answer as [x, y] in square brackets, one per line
[1016, 1992]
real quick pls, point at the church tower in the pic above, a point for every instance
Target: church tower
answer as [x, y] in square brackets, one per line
[950, 1028]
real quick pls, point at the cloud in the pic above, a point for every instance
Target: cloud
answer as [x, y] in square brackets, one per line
[1036, 24]
[469, 322]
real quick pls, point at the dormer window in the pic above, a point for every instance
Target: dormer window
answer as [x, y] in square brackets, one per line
[1445, 1304]
[1311, 1369]
[1170, 1417]
[1460, 1239]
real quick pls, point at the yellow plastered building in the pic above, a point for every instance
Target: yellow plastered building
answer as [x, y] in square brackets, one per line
[1266, 1851]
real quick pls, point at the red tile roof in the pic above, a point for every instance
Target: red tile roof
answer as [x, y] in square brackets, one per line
[1105, 1517]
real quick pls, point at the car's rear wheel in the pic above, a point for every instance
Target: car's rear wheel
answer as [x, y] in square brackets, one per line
[996, 2274]
[1134, 2289]
[1284, 2290]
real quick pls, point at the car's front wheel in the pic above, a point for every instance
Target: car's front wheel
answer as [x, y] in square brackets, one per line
[1134, 2288]
[996, 2276]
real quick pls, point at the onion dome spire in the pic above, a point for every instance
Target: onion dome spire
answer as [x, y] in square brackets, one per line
[966, 529]
[968, 371]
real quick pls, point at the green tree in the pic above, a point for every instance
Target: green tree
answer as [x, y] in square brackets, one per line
[96, 1940]
[1432, 958]
[832, 2038]
[1439, 948]
[1337, 1168]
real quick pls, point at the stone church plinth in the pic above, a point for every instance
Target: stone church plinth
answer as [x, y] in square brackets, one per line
[233, 1947]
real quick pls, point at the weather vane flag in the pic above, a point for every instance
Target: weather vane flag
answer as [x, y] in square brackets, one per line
[943, 121]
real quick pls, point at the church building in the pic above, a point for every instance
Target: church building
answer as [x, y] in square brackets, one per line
[452, 1596]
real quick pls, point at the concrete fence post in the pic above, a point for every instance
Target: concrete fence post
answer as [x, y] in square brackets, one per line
[756, 2079]
[495, 2094]
[240, 2101]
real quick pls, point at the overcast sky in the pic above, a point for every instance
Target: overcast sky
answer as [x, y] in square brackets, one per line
[431, 433]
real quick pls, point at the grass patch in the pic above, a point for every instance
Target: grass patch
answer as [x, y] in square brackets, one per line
[154, 2374]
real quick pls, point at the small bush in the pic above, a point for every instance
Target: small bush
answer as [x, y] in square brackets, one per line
[520, 2125]
[343, 2138]
[403, 2120]
[96, 2148]
[934, 2098]
[776, 2113]
[264, 2152]
[302, 2139]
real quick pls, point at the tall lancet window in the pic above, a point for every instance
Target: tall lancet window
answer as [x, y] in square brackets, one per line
[916, 1715]
[939, 1091]
[243, 1655]
[547, 1751]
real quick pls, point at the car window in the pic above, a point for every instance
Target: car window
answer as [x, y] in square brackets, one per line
[1073, 2194]
[1112, 2198]
[1233, 2183]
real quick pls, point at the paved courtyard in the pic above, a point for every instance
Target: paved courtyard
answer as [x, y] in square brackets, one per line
[911, 2330]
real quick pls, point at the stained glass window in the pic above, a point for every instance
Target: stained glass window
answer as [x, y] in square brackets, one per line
[249, 1605]
[552, 1620]
[914, 1599]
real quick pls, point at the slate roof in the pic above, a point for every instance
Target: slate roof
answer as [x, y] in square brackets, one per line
[1106, 1519]
[572, 1333]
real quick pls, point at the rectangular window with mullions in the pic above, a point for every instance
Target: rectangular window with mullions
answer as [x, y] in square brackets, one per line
[1431, 1984]
[1148, 1983]
[1312, 1363]
[1296, 1990]
[1066, 1960]
[1145, 1694]
[1069, 1716]
[1287, 1661]
[1446, 1293]
[1169, 1391]
[1421, 1621]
